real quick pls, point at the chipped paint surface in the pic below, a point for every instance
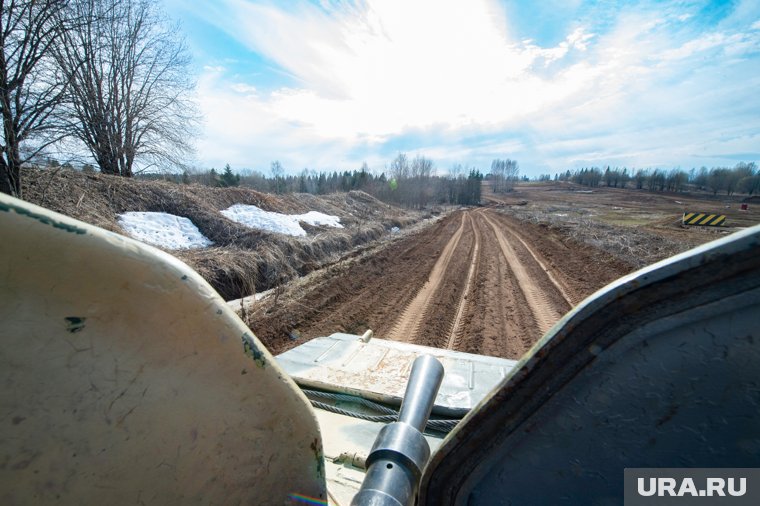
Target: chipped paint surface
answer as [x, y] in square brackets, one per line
[319, 456]
[75, 324]
[251, 350]
[42, 218]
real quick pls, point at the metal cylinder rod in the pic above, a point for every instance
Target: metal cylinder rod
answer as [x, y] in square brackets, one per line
[424, 382]
[400, 452]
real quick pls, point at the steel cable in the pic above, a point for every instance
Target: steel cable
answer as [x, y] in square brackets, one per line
[390, 415]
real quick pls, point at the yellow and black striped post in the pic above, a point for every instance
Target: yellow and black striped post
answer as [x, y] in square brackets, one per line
[706, 219]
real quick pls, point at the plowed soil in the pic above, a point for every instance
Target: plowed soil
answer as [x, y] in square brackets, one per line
[477, 280]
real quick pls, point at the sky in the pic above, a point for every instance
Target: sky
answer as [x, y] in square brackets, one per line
[553, 84]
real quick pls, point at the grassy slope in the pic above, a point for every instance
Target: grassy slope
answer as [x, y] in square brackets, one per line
[242, 260]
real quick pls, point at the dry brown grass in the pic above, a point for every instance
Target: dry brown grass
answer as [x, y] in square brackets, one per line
[633, 246]
[242, 260]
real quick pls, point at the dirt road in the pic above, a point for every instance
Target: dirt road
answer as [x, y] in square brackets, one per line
[476, 281]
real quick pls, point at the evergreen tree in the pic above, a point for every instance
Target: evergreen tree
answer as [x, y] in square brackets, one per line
[227, 178]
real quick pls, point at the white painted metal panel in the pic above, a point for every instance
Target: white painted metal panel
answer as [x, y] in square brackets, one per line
[379, 370]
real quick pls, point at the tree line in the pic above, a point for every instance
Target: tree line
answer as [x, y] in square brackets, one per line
[106, 80]
[410, 183]
[742, 178]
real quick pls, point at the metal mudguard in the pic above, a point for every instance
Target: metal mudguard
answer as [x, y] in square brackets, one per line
[659, 369]
[126, 379]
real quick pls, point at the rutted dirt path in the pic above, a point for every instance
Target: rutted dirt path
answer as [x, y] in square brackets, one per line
[478, 280]
[456, 327]
[532, 281]
[407, 325]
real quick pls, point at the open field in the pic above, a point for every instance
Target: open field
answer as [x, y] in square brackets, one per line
[654, 213]
[491, 280]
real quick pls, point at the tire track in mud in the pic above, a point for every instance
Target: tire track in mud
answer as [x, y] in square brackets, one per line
[570, 299]
[407, 325]
[545, 312]
[497, 320]
[457, 330]
[510, 340]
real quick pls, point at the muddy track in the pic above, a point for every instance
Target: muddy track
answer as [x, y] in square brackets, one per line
[566, 293]
[457, 329]
[478, 281]
[531, 278]
[534, 302]
[407, 325]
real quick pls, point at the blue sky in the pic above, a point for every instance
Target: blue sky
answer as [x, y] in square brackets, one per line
[554, 84]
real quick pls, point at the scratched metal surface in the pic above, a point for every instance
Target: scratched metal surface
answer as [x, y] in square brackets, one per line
[127, 380]
[659, 369]
[379, 370]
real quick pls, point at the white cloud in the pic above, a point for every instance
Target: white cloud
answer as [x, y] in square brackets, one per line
[396, 65]
[365, 74]
[579, 39]
[243, 88]
[731, 44]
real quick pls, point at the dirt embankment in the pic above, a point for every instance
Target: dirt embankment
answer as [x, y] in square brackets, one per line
[242, 260]
[477, 281]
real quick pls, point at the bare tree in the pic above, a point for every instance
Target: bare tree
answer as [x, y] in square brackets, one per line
[421, 167]
[400, 167]
[131, 93]
[511, 174]
[278, 176]
[421, 189]
[504, 173]
[497, 175]
[31, 88]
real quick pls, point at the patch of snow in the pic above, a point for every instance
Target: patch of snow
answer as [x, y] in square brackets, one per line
[163, 229]
[254, 217]
[395, 230]
[316, 218]
[261, 295]
[248, 303]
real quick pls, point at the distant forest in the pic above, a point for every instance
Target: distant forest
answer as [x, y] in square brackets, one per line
[743, 178]
[409, 183]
